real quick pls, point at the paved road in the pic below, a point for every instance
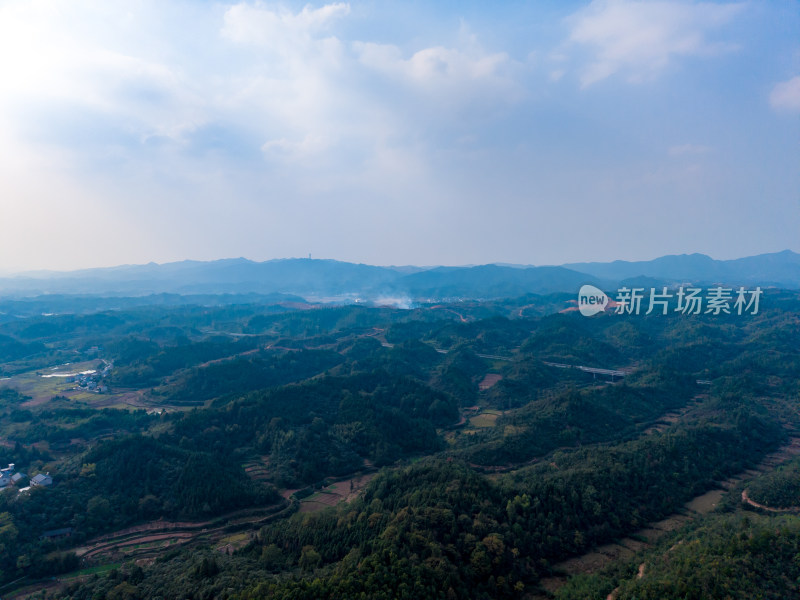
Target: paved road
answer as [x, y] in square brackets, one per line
[611, 372]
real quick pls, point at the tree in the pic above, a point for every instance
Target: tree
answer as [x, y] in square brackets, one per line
[309, 558]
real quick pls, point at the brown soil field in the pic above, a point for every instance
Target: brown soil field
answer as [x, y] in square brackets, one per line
[489, 380]
[336, 492]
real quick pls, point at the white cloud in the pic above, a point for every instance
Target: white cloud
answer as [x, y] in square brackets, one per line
[639, 39]
[59, 57]
[436, 66]
[284, 76]
[137, 124]
[256, 24]
[785, 95]
[311, 93]
[450, 75]
[445, 85]
[290, 83]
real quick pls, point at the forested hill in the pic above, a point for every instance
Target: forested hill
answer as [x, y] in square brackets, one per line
[446, 451]
[320, 279]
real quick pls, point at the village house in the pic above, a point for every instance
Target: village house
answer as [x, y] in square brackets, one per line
[41, 480]
[5, 476]
[56, 534]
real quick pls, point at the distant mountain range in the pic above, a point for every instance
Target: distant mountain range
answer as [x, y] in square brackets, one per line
[331, 280]
[779, 269]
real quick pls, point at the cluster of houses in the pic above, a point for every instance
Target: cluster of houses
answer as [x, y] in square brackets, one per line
[9, 476]
[95, 383]
[88, 382]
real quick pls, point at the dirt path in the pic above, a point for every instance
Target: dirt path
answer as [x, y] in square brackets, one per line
[378, 333]
[461, 421]
[446, 309]
[639, 575]
[223, 359]
[522, 309]
[628, 547]
[748, 500]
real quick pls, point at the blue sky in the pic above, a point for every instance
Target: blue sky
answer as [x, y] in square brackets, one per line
[396, 132]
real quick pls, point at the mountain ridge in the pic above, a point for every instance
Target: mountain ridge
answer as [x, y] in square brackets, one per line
[332, 279]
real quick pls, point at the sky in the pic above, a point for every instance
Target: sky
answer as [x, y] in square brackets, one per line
[396, 132]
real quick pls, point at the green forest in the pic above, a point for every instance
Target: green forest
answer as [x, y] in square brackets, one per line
[250, 451]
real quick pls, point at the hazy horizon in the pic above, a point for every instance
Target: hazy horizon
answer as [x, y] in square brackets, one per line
[390, 266]
[396, 133]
